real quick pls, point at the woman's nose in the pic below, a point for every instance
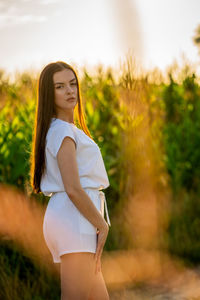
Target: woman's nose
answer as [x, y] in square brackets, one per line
[69, 89]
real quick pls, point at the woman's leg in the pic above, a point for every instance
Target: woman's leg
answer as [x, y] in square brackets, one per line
[77, 272]
[98, 290]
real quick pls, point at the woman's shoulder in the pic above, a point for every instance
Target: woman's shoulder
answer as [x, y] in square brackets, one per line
[60, 127]
[58, 130]
[57, 124]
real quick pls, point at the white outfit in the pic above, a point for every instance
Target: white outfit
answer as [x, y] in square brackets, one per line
[65, 229]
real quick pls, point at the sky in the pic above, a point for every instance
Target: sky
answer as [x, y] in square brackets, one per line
[36, 32]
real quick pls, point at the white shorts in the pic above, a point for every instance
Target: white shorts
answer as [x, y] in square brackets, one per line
[65, 229]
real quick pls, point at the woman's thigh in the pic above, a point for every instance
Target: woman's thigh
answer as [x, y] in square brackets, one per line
[77, 272]
[98, 290]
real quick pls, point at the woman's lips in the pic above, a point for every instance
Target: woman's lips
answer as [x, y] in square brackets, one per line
[71, 99]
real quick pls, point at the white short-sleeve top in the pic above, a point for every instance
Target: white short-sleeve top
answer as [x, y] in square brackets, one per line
[90, 163]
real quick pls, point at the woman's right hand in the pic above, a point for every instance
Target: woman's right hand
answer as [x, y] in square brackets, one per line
[102, 234]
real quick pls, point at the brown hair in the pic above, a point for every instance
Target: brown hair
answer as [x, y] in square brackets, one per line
[44, 113]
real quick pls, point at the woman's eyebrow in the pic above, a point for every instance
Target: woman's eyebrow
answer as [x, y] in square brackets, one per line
[63, 82]
[73, 79]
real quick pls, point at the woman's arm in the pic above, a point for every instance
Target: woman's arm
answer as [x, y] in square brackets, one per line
[67, 164]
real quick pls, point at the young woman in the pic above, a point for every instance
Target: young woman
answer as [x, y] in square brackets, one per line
[67, 165]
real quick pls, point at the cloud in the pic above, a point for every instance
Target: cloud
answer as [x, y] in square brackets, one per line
[10, 20]
[19, 12]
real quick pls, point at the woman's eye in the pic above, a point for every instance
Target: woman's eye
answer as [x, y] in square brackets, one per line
[62, 86]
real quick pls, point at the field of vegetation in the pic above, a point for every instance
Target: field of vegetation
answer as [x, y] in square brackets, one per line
[147, 125]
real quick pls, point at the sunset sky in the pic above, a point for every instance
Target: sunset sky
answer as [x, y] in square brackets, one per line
[34, 33]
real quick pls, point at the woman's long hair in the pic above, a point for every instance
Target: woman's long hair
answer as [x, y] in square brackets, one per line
[45, 110]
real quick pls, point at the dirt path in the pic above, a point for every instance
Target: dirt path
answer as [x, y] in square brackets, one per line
[182, 286]
[147, 292]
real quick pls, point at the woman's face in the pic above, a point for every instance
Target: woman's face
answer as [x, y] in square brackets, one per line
[65, 90]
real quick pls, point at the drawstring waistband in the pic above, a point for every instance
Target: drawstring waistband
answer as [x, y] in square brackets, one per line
[103, 199]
